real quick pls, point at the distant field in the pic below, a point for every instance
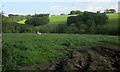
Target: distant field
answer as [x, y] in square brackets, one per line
[32, 49]
[58, 19]
[22, 21]
[113, 21]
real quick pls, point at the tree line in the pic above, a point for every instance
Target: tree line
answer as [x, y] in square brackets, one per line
[83, 23]
[87, 22]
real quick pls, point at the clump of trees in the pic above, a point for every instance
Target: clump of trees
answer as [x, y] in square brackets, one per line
[10, 25]
[75, 12]
[38, 19]
[87, 21]
[110, 11]
[83, 23]
[40, 15]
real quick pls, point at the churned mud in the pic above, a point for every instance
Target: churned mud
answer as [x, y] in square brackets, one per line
[93, 58]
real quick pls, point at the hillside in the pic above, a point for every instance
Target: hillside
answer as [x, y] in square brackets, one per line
[112, 24]
[22, 21]
[61, 19]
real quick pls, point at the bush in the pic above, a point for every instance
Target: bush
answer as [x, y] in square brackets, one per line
[99, 29]
[75, 12]
[88, 21]
[49, 28]
[41, 15]
[36, 21]
[101, 19]
[12, 27]
[71, 29]
[98, 18]
[72, 19]
[61, 28]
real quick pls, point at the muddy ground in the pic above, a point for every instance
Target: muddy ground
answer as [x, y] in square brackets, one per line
[93, 58]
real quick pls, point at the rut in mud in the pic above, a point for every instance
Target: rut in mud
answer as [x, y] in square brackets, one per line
[93, 58]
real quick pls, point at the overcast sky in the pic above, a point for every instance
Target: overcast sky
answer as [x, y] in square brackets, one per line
[55, 6]
[59, 0]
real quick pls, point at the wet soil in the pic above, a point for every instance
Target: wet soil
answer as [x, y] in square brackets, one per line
[93, 58]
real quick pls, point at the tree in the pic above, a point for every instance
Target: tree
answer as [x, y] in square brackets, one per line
[110, 11]
[98, 18]
[71, 19]
[90, 22]
[41, 15]
[72, 12]
[75, 12]
[12, 15]
[101, 19]
[87, 21]
[36, 21]
[81, 26]
[98, 11]
[91, 26]
[62, 14]
[71, 29]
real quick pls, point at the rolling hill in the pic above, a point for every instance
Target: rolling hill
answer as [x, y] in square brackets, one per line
[61, 19]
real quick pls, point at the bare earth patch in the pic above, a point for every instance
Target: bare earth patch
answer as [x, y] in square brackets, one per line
[93, 58]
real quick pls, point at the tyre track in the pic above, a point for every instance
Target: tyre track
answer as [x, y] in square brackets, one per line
[86, 59]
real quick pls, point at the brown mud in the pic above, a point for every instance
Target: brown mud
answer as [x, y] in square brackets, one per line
[93, 58]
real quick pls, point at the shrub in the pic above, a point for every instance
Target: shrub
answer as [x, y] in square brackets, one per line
[98, 18]
[36, 21]
[87, 21]
[99, 29]
[71, 29]
[72, 19]
[101, 19]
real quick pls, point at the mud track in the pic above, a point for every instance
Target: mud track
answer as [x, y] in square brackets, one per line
[93, 58]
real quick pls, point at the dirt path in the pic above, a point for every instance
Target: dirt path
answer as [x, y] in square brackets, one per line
[94, 58]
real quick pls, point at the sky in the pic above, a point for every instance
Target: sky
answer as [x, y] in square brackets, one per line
[60, 0]
[55, 6]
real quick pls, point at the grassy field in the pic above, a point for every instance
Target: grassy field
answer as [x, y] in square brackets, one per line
[32, 49]
[22, 21]
[58, 19]
[113, 21]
